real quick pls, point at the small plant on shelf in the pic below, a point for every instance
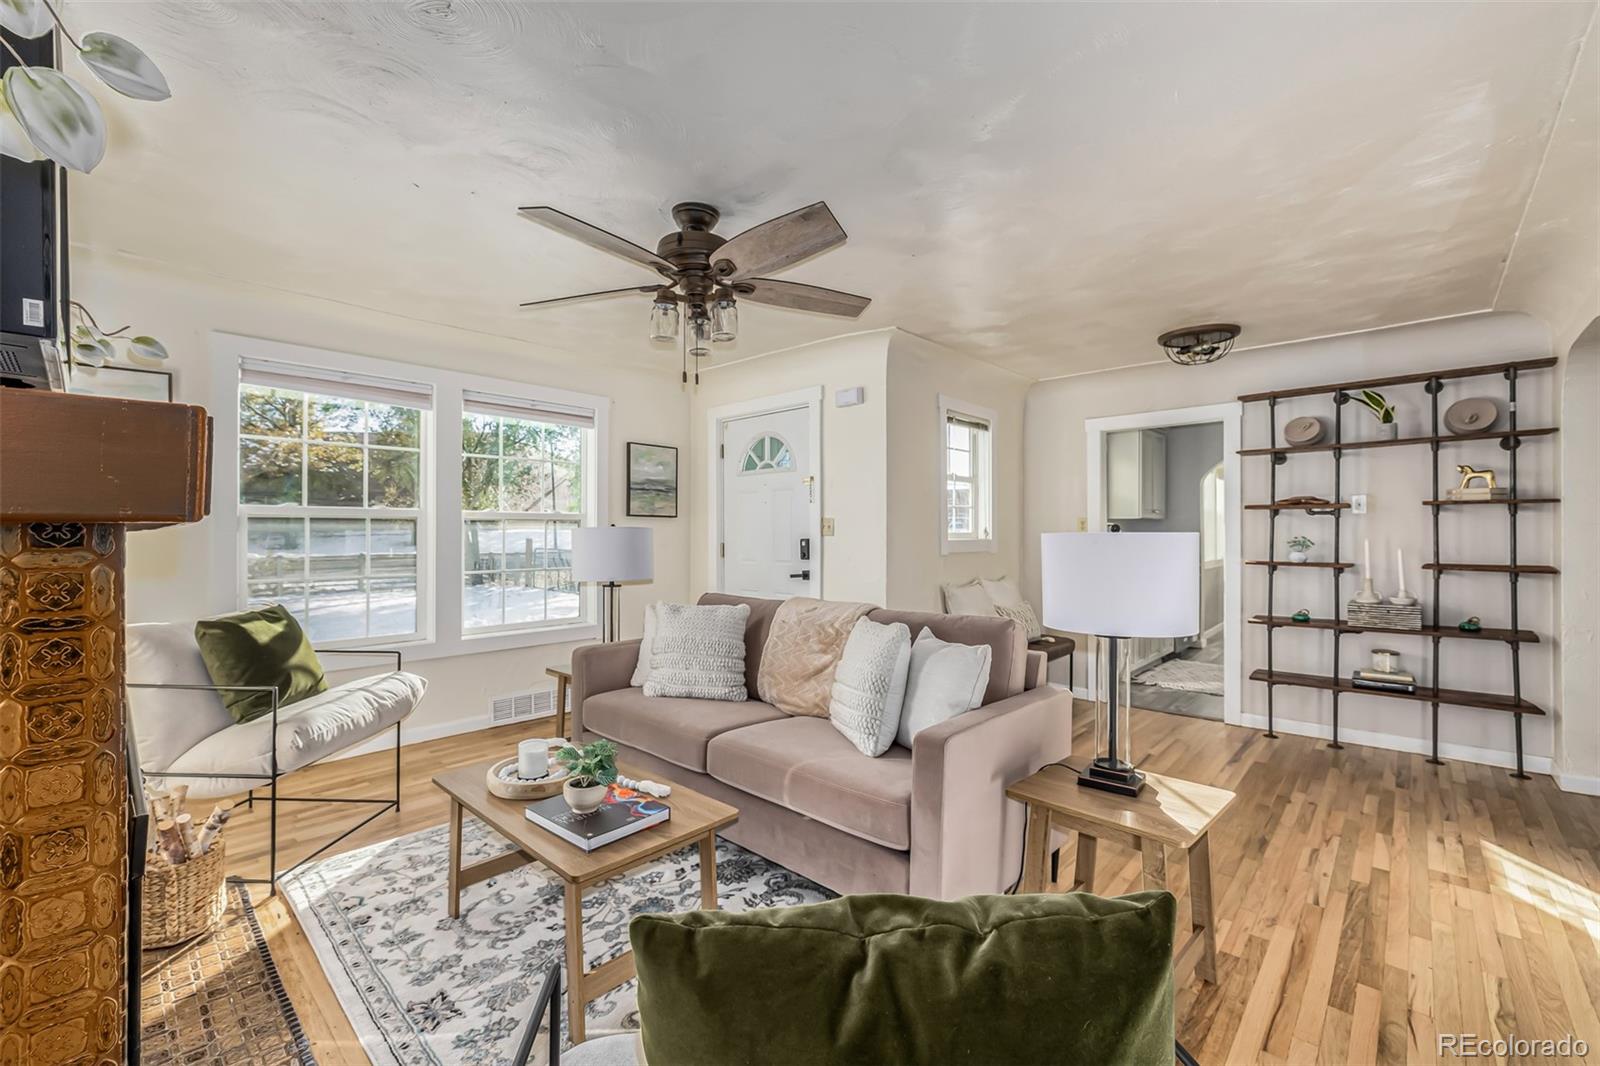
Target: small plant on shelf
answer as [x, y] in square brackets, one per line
[1298, 547]
[1381, 409]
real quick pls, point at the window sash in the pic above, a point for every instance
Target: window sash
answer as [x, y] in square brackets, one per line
[969, 446]
[337, 384]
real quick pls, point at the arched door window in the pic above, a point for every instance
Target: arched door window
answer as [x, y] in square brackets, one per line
[767, 452]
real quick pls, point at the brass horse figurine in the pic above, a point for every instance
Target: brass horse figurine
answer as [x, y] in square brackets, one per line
[1469, 475]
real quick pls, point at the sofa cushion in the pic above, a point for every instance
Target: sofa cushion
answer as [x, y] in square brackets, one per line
[805, 764]
[697, 652]
[168, 722]
[1008, 668]
[756, 629]
[877, 978]
[676, 730]
[262, 647]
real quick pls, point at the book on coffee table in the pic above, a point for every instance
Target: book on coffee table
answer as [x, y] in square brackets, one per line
[623, 813]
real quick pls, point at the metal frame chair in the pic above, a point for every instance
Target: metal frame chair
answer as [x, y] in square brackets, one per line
[272, 798]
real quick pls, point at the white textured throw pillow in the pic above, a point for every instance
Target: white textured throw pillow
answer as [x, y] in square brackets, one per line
[971, 598]
[944, 680]
[869, 685]
[1022, 612]
[698, 652]
[641, 670]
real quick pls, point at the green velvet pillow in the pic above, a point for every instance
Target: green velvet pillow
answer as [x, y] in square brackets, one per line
[265, 647]
[872, 979]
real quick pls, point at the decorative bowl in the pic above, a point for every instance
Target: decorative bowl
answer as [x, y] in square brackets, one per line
[504, 782]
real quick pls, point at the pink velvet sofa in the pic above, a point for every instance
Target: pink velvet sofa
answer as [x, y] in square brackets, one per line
[932, 820]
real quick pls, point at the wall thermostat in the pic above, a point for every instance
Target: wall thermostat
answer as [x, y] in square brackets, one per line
[850, 397]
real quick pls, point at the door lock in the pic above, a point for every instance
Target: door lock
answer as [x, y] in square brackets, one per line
[805, 548]
[804, 575]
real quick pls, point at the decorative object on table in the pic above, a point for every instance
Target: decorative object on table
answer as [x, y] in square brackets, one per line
[612, 556]
[1302, 615]
[620, 813]
[504, 781]
[56, 117]
[1197, 345]
[1367, 594]
[652, 480]
[589, 770]
[1477, 485]
[182, 893]
[1401, 598]
[1385, 674]
[1383, 615]
[1298, 547]
[1476, 414]
[217, 994]
[647, 786]
[1118, 586]
[1304, 431]
[1382, 410]
[1471, 625]
[1385, 660]
[533, 759]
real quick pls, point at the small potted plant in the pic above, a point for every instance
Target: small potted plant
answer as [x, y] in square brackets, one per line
[1381, 409]
[1298, 546]
[590, 770]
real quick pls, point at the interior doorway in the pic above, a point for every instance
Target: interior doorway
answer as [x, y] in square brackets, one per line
[1177, 471]
[767, 496]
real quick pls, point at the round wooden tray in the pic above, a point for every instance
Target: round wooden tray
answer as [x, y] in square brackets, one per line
[524, 790]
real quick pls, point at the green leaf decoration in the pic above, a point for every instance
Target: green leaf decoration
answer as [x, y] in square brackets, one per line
[93, 353]
[60, 118]
[13, 138]
[123, 66]
[146, 348]
[25, 18]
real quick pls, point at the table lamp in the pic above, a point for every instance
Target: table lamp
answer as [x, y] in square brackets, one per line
[610, 556]
[1116, 586]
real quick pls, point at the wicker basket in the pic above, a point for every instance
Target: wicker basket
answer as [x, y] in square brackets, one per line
[181, 902]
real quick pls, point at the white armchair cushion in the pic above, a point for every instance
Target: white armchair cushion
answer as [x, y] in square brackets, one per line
[168, 722]
[311, 729]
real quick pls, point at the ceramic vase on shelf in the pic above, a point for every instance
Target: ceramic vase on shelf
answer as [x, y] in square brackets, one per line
[1297, 557]
[585, 799]
[1389, 430]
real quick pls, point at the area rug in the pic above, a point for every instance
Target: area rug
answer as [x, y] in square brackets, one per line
[219, 999]
[1183, 675]
[420, 987]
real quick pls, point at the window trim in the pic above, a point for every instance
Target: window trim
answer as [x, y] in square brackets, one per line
[439, 565]
[982, 479]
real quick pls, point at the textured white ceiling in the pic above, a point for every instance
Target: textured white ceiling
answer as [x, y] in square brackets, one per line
[1046, 187]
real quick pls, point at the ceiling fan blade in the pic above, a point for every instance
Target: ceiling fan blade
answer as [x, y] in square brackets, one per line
[799, 297]
[594, 236]
[779, 242]
[588, 296]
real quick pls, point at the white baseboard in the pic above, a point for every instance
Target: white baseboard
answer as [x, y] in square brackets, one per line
[410, 735]
[1578, 783]
[1537, 764]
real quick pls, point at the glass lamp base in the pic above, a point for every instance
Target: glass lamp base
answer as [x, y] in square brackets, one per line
[1111, 775]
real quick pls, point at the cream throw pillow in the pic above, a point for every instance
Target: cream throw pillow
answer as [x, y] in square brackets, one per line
[1008, 603]
[970, 598]
[944, 680]
[869, 685]
[641, 670]
[698, 652]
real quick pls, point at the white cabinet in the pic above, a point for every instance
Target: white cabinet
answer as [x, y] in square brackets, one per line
[1136, 474]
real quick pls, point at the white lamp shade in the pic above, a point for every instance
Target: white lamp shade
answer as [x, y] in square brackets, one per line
[612, 553]
[1122, 584]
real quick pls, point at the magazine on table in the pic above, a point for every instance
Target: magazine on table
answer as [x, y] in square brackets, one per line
[622, 813]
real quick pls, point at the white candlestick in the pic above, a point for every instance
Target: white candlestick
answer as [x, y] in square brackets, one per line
[1400, 564]
[533, 759]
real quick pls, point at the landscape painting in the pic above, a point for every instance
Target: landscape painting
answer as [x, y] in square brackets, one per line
[652, 480]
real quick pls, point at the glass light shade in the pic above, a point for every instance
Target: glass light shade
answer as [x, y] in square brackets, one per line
[663, 320]
[724, 320]
[1113, 746]
[699, 337]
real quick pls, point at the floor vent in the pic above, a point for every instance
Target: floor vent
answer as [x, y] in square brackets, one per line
[521, 706]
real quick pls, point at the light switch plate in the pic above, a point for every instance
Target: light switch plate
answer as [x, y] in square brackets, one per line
[827, 527]
[1358, 503]
[1083, 525]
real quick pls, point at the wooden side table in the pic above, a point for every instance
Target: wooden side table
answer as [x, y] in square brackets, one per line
[563, 676]
[1170, 812]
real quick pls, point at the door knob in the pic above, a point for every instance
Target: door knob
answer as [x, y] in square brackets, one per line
[804, 575]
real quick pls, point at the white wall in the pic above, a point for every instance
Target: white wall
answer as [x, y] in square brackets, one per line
[919, 372]
[1395, 481]
[168, 569]
[854, 467]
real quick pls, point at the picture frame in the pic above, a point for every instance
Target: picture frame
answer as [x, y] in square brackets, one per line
[121, 382]
[652, 480]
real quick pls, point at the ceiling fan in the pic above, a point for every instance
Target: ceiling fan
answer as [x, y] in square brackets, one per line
[708, 274]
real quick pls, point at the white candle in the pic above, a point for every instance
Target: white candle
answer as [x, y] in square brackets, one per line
[533, 759]
[1366, 558]
[1400, 564]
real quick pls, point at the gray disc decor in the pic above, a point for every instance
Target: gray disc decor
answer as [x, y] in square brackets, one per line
[1476, 414]
[1303, 431]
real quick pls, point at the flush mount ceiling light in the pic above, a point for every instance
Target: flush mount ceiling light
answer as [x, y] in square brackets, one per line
[1193, 345]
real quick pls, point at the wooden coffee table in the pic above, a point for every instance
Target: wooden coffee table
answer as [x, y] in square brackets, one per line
[695, 819]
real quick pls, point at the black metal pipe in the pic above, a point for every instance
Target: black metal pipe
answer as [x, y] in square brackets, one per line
[1272, 547]
[1434, 387]
[1339, 399]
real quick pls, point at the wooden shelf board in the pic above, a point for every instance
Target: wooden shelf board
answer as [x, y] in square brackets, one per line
[1285, 562]
[1520, 501]
[1490, 568]
[1403, 379]
[1283, 621]
[1283, 506]
[1400, 442]
[1490, 701]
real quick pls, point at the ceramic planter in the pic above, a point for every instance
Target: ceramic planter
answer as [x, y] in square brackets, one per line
[1297, 557]
[583, 800]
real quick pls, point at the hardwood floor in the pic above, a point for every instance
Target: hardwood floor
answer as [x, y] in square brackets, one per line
[1366, 901]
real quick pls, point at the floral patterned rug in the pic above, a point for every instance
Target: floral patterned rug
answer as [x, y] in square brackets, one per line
[421, 987]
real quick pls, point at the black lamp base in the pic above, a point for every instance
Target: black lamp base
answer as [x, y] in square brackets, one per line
[1111, 776]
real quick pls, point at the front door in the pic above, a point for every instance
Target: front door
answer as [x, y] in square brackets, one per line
[768, 485]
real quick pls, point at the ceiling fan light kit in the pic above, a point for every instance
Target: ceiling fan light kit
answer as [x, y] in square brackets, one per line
[1196, 345]
[707, 273]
